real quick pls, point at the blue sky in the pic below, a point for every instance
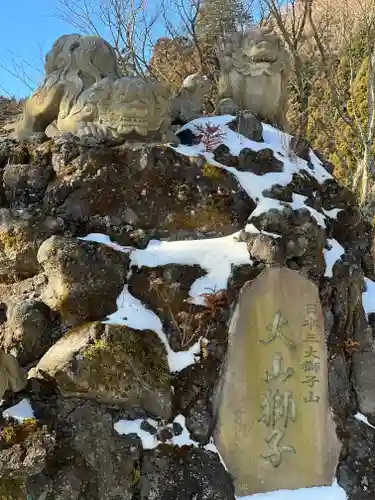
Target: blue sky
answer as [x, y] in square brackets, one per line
[28, 29]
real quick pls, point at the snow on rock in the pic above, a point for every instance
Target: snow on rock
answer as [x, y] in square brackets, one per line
[299, 203]
[333, 492]
[368, 297]
[215, 255]
[361, 418]
[21, 411]
[134, 427]
[150, 441]
[333, 213]
[251, 229]
[254, 184]
[320, 172]
[132, 313]
[332, 255]
[105, 240]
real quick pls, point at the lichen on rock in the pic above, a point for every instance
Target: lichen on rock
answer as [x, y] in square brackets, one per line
[113, 365]
[80, 274]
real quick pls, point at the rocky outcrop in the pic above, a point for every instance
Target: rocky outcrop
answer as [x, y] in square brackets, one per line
[175, 304]
[29, 457]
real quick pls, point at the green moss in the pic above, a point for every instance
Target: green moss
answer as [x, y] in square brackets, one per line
[211, 171]
[12, 241]
[17, 433]
[12, 489]
[93, 351]
[109, 362]
[8, 434]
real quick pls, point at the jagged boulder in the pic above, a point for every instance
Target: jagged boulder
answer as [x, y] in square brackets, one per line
[111, 364]
[25, 449]
[80, 275]
[21, 233]
[25, 184]
[159, 191]
[182, 473]
[29, 331]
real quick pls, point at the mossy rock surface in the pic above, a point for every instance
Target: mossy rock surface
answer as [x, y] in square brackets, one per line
[111, 364]
[12, 489]
[84, 279]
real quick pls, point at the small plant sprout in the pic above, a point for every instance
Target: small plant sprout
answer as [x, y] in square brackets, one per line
[210, 136]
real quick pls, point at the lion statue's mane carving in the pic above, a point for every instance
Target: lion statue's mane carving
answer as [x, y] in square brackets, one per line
[254, 72]
[73, 64]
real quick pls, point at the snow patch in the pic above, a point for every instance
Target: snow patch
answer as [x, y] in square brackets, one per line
[150, 441]
[105, 240]
[320, 173]
[215, 255]
[21, 411]
[332, 255]
[132, 313]
[299, 203]
[251, 229]
[368, 297]
[134, 427]
[362, 418]
[333, 213]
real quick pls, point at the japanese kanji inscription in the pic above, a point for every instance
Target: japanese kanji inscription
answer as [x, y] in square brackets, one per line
[274, 427]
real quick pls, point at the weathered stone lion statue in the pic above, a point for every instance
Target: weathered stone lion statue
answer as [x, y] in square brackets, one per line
[84, 94]
[254, 71]
[120, 107]
[73, 64]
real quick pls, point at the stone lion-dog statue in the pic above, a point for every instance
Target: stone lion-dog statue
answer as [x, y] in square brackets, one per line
[254, 72]
[84, 94]
[73, 65]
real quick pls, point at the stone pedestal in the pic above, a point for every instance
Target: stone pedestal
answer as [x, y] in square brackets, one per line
[274, 425]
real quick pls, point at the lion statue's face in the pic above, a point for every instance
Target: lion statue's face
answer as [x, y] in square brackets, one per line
[56, 58]
[125, 105]
[260, 51]
[135, 105]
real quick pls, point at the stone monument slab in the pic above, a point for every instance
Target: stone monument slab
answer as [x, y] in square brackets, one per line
[274, 426]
